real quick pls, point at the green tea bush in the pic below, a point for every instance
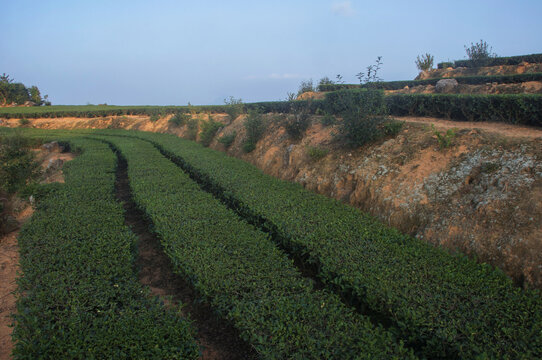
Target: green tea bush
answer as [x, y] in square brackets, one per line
[363, 112]
[180, 119]
[227, 140]
[328, 120]
[18, 164]
[241, 272]
[523, 109]
[24, 122]
[324, 82]
[299, 119]
[208, 131]
[464, 80]
[445, 65]
[498, 61]
[79, 296]
[316, 153]
[192, 128]
[393, 127]
[445, 305]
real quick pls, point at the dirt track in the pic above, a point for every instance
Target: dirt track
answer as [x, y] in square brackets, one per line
[507, 130]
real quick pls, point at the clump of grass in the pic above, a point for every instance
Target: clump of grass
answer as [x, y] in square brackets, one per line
[393, 127]
[328, 120]
[316, 153]
[208, 131]
[446, 139]
[192, 129]
[24, 122]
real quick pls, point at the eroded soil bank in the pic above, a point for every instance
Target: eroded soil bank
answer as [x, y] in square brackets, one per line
[481, 195]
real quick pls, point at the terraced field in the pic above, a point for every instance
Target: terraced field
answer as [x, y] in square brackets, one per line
[297, 275]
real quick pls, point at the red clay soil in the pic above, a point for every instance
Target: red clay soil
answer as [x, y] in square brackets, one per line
[9, 266]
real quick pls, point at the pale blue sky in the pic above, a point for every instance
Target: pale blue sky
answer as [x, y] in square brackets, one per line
[172, 52]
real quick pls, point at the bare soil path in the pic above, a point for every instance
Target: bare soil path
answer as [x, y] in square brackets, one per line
[9, 266]
[218, 339]
[508, 130]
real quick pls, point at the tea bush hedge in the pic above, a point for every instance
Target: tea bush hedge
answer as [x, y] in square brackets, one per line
[447, 305]
[79, 297]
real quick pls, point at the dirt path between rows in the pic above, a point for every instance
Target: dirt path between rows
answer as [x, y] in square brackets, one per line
[9, 266]
[217, 339]
[496, 128]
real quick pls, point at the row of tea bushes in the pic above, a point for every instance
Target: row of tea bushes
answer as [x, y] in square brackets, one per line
[464, 80]
[493, 61]
[510, 109]
[79, 297]
[447, 305]
[242, 273]
[514, 109]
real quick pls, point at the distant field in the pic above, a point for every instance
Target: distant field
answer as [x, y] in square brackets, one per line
[509, 108]
[82, 109]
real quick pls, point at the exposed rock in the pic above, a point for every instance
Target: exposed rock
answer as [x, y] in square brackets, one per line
[29, 103]
[446, 86]
[52, 147]
[54, 164]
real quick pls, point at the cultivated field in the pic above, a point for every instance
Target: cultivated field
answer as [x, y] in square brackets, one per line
[296, 274]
